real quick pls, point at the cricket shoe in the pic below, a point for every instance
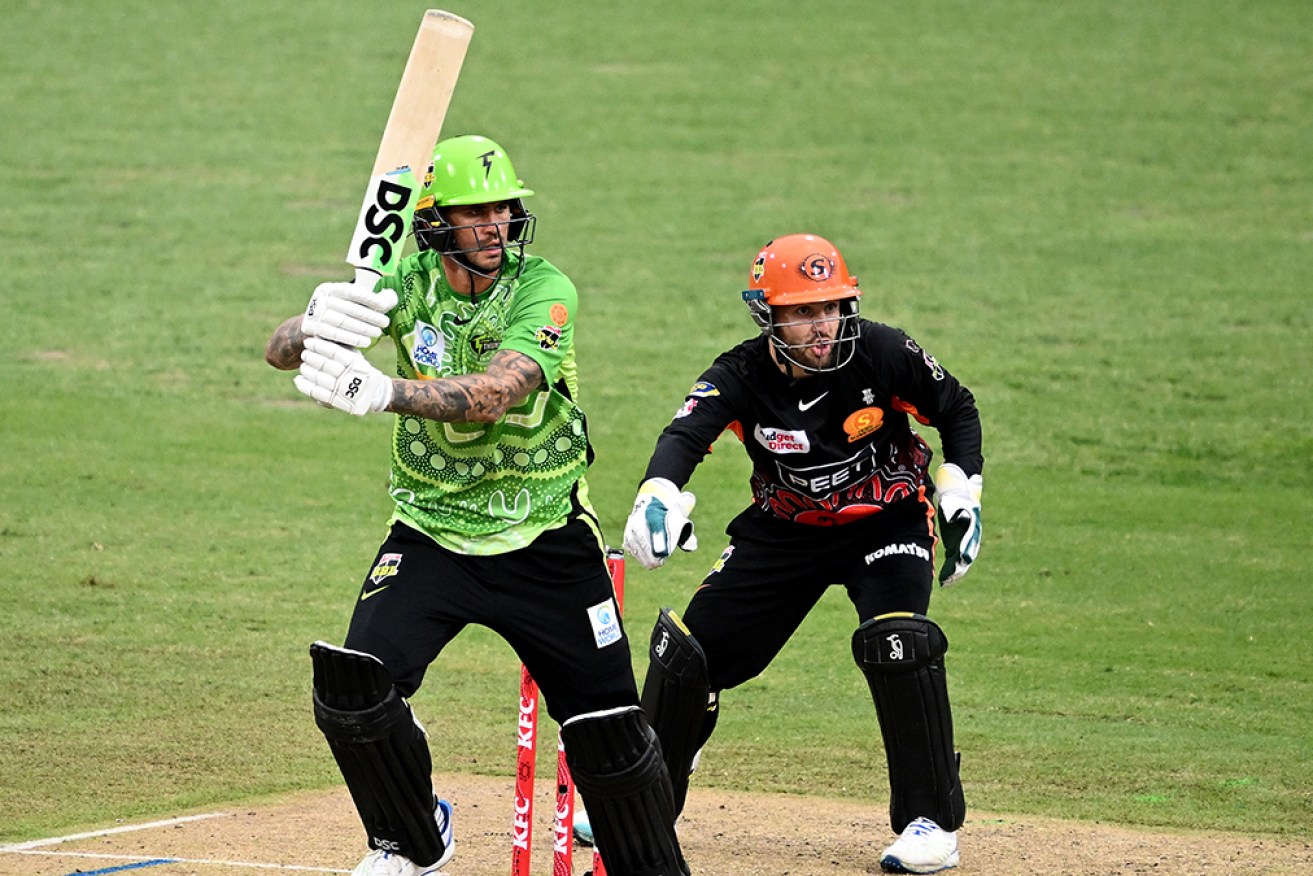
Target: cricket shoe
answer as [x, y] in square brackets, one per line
[381, 863]
[583, 828]
[924, 847]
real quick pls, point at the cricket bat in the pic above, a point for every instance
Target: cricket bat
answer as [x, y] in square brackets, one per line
[407, 145]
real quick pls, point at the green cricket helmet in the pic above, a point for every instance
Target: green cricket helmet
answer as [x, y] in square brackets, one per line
[470, 170]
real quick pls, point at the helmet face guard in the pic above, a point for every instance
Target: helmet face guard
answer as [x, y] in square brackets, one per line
[433, 231]
[472, 170]
[803, 269]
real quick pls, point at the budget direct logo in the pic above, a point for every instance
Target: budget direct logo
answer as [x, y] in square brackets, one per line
[782, 440]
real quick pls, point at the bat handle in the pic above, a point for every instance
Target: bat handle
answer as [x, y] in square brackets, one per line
[367, 278]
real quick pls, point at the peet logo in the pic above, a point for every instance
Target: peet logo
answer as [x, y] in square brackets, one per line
[782, 440]
[862, 423]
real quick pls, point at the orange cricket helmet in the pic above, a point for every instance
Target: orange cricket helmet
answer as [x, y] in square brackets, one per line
[803, 269]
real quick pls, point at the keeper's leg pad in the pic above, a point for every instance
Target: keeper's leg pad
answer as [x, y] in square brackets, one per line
[676, 698]
[902, 656]
[616, 763]
[381, 750]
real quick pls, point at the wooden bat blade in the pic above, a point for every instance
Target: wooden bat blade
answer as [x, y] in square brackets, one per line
[425, 92]
[403, 154]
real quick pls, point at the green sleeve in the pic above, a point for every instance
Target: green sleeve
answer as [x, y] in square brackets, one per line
[542, 320]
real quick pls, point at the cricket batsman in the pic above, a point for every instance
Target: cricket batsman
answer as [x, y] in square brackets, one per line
[490, 524]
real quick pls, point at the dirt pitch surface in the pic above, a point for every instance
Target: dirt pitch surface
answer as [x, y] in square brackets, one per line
[724, 834]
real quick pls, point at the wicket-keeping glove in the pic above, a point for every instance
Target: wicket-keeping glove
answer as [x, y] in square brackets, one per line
[348, 314]
[340, 377]
[959, 520]
[659, 523]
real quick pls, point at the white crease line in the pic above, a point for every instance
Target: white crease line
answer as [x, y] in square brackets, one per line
[54, 841]
[172, 860]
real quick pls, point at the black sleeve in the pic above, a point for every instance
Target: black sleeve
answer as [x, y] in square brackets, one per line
[936, 398]
[708, 409]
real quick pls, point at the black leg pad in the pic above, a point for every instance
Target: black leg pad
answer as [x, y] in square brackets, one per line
[902, 656]
[617, 767]
[675, 698]
[381, 750]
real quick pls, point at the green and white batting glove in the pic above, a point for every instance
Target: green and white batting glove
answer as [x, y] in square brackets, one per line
[659, 523]
[959, 520]
[340, 377]
[347, 313]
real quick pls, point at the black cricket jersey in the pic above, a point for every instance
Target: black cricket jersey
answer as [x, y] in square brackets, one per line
[830, 449]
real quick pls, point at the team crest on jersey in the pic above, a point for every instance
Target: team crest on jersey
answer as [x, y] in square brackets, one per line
[817, 267]
[483, 344]
[559, 313]
[386, 567]
[782, 440]
[686, 408]
[702, 389]
[549, 337]
[863, 422]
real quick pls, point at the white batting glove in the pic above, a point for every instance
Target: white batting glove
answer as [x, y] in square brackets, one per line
[659, 523]
[340, 377]
[959, 520]
[347, 313]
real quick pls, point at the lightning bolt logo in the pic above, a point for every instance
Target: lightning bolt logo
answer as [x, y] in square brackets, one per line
[487, 163]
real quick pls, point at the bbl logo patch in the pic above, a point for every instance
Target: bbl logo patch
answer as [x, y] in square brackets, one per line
[386, 567]
[549, 337]
[759, 267]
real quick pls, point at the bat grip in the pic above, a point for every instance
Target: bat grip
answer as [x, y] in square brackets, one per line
[367, 278]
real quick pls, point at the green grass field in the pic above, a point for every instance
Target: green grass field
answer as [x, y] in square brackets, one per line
[1098, 214]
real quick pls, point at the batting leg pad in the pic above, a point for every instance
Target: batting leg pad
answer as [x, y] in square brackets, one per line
[902, 656]
[381, 750]
[676, 697]
[617, 767]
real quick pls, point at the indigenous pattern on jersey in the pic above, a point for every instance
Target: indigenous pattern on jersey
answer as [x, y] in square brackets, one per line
[488, 488]
[832, 448]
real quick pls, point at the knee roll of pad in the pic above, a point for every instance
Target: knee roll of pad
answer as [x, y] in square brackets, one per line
[617, 767]
[676, 698]
[902, 657]
[381, 750]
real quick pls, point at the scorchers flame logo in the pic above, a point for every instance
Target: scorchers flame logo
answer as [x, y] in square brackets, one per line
[817, 268]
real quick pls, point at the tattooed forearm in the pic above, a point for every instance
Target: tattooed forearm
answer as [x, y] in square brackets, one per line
[471, 398]
[284, 349]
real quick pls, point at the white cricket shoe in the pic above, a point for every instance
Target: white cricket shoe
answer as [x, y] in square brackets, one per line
[583, 828]
[924, 847]
[381, 863]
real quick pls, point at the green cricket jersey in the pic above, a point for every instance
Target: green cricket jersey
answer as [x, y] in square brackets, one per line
[487, 488]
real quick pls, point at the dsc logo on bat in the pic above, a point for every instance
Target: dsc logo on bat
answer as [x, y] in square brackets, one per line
[384, 220]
